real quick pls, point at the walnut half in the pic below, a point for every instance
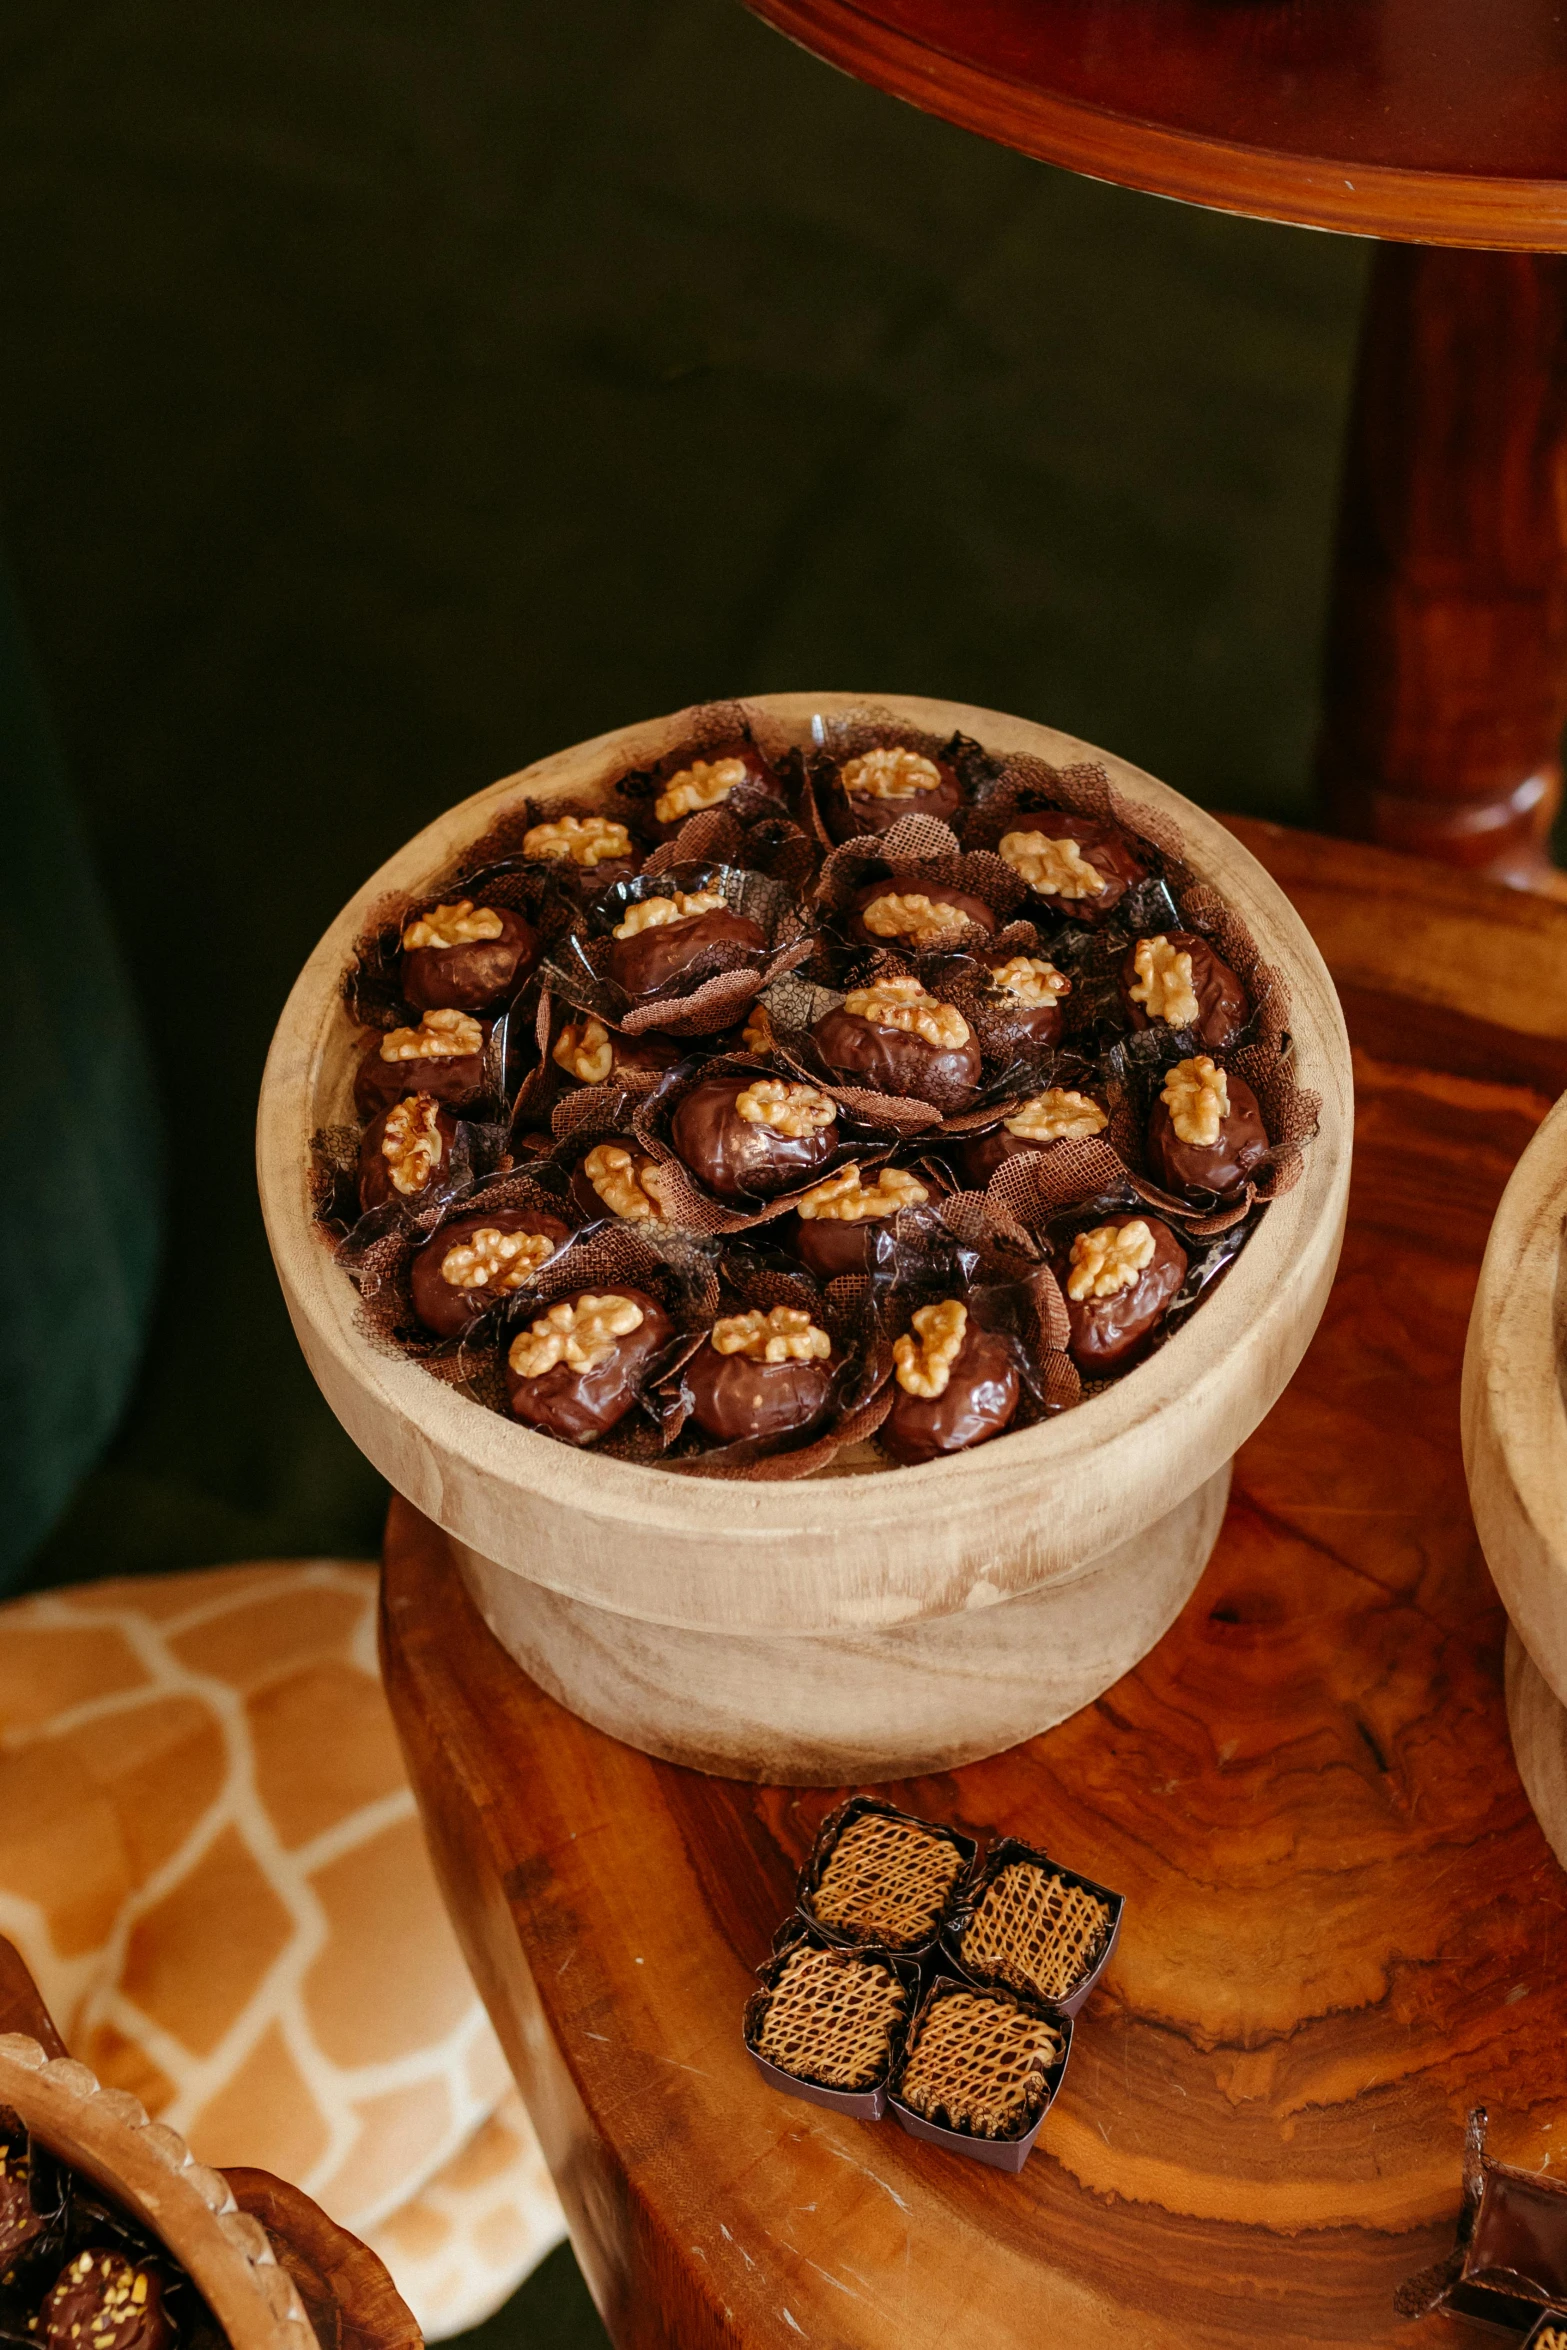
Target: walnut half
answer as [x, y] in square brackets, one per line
[891, 774]
[784, 1335]
[1197, 1095]
[1056, 866]
[792, 1110]
[626, 1182]
[925, 1357]
[654, 913]
[910, 914]
[1163, 982]
[492, 1259]
[461, 925]
[411, 1142]
[1031, 980]
[1057, 1115]
[701, 785]
[440, 1036]
[579, 840]
[845, 1198]
[1109, 1259]
[903, 1004]
[581, 1336]
[584, 1049]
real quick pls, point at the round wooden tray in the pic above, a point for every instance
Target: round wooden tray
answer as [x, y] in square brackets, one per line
[853, 1623]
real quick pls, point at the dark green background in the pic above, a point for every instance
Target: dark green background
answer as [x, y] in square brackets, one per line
[391, 395]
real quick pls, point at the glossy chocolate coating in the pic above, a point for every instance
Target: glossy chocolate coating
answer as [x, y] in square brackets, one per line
[863, 1052]
[980, 1157]
[1108, 1331]
[581, 1406]
[635, 1056]
[477, 977]
[1102, 847]
[1222, 1166]
[375, 1175]
[20, 2225]
[978, 1402]
[758, 777]
[1222, 1005]
[734, 1158]
[653, 959]
[940, 893]
[831, 1246]
[582, 1187]
[458, 1081]
[733, 1397]
[1521, 2228]
[848, 815]
[447, 1308]
[1037, 1025]
[95, 2306]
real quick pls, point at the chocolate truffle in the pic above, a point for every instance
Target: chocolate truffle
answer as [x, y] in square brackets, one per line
[573, 1372]
[1206, 1131]
[894, 1036]
[837, 1222]
[1031, 992]
[1177, 980]
[475, 1261]
[915, 913]
[1120, 1279]
[659, 939]
[1076, 867]
[686, 786]
[402, 1152]
[102, 2301]
[467, 958]
[443, 1056]
[956, 1384]
[20, 2224]
[591, 1054]
[753, 1135]
[878, 789]
[619, 1179]
[583, 853]
[1057, 1115]
[760, 1375]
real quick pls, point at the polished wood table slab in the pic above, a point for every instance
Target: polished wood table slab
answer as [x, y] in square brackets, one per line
[1343, 1928]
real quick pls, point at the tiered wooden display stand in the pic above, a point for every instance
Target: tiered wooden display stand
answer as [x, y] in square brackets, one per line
[1344, 1926]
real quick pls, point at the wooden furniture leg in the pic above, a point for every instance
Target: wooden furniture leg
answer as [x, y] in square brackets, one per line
[1446, 684]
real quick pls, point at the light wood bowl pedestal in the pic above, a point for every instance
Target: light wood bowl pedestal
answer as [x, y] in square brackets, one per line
[1515, 1455]
[866, 1623]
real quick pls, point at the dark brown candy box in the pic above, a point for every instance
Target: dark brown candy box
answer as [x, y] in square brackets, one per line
[737, 1393]
[477, 1260]
[103, 2301]
[1107, 1332]
[449, 1064]
[474, 975]
[1510, 2260]
[827, 2023]
[1033, 1926]
[909, 913]
[648, 960]
[833, 1243]
[979, 1399]
[879, 1877]
[582, 1401]
[421, 1134]
[876, 789]
[896, 1038]
[979, 2072]
[1059, 1114]
[1075, 866]
[1240, 1140]
[1176, 980]
[738, 1156]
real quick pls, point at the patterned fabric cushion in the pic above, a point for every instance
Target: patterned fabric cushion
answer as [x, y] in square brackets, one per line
[211, 1861]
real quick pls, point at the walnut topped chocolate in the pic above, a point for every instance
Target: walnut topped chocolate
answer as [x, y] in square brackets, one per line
[1206, 1131]
[402, 1152]
[1121, 1278]
[1079, 868]
[1059, 1114]
[878, 788]
[956, 1384]
[894, 1036]
[1177, 981]
[659, 939]
[688, 786]
[574, 1371]
[590, 1053]
[754, 1135]
[588, 853]
[760, 1375]
[918, 914]
[443, 1056]
[465, 957]
[619, 1179]
[838, 1219]
[477, 1260]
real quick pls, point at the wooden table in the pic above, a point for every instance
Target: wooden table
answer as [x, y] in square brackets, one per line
[1437, 123]
[1344, 1926]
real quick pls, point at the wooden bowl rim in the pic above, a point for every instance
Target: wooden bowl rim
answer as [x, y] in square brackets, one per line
[1252, 1308]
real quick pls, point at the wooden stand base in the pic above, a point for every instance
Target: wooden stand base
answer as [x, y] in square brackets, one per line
[1538, 1722]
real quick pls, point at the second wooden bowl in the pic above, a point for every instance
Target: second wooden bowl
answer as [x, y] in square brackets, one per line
[856, 1626]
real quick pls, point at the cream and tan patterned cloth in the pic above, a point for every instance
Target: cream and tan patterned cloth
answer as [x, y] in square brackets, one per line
[211, 1861]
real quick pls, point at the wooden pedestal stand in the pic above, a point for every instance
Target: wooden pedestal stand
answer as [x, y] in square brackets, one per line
[1438, 125]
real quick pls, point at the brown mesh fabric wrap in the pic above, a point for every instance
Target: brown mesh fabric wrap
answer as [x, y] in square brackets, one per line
[1035, 1930]
[831, 2018]
[886, 1881]
[976, 2062]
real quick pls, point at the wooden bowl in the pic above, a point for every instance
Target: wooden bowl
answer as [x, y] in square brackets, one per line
[857, 1625]
[1515, 1455]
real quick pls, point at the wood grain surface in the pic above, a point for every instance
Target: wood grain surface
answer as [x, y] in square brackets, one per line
[1344, 1925]
[1433, 120]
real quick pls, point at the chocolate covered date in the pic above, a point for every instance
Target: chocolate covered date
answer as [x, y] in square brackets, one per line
[1177, 981]
[895, 1037]
[878, 788]
[466, 957]
[659, 939]
[1059, 1114]
[921, 915]
[443, 1057]
[760, 1375]
[405, 1150]
[1205, 1132]
[583, 853]
[837, 1221]
[475, 1261]
[955, 1384]
[753, 1136]
[1121, 1277]
[574, 1371]
[1076, 867]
